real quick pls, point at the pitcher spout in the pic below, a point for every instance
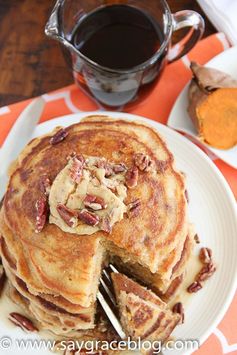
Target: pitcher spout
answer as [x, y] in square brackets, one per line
[53, 28]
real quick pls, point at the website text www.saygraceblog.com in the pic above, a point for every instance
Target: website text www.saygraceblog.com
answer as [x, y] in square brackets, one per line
[99, 346]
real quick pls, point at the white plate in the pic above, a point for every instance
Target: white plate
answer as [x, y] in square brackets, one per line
[212, 208]
[179, 118]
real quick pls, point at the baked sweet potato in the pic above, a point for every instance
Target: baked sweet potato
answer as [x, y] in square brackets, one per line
[213, 106]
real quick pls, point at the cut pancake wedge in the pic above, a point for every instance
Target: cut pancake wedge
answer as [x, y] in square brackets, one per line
[142, 313]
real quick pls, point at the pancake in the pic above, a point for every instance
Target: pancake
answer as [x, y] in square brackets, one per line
[82, 319]
[79, 197]
[165, 289]
[143, 314]
[103, 330]
[68, 269]
[161, 193]
[57, 300]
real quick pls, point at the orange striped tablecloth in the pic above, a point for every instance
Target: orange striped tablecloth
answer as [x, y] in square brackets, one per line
[157, 107]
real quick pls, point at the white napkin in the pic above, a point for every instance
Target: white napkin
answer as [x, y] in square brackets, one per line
[223, 15]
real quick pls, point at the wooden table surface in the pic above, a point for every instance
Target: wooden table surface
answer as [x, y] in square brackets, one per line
[32, 64]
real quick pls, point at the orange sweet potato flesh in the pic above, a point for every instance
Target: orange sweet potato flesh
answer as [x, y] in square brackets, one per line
[217, 117]
[213, 106]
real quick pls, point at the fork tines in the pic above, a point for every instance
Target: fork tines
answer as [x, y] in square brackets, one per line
[105, 296]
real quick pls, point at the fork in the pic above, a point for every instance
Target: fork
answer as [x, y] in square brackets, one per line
[107, 300]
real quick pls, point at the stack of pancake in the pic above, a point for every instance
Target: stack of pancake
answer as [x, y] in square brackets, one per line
[54, 262]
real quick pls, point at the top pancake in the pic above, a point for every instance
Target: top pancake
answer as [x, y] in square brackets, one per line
[159, 227]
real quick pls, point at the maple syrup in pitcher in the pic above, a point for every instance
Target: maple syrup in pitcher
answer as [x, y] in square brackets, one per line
[119, 42]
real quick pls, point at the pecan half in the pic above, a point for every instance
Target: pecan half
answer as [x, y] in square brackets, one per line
[206, 272]
[41, 206]
[119, 168]
[89, 218]
[143, 161]
[94, 202]
[178, 308]
[194, 287]
[2, 278]
[22, 321]
[205, 255]
[58, 137]
[45, 185]
[105, 225]
[131, 177]
[69, 216]
[76, 169]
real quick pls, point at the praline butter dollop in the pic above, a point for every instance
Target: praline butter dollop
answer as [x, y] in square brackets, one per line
[88, 195]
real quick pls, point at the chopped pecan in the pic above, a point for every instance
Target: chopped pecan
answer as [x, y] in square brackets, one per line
[205, 255]
[133, 207]
[103, 164]
[196, 238]
[105, 225]
[76, 169]
[59, 136]
[131, 177]
[41, 206]
[134, 204]
[69, 216]
[111, 184]
[194, 287]
[22, 321]
[178, 308]
[89, 218]
[108, 170]
[94, 202]
[143, 161]
[162, 165]
[119, 168]
[2, 278]
[45, 185]
[206, 272]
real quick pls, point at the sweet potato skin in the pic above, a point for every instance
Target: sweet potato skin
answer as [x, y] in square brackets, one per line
[209, 79]
[204, 83]
[195, 98]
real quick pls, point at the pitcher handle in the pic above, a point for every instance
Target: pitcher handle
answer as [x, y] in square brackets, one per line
[181, 19]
